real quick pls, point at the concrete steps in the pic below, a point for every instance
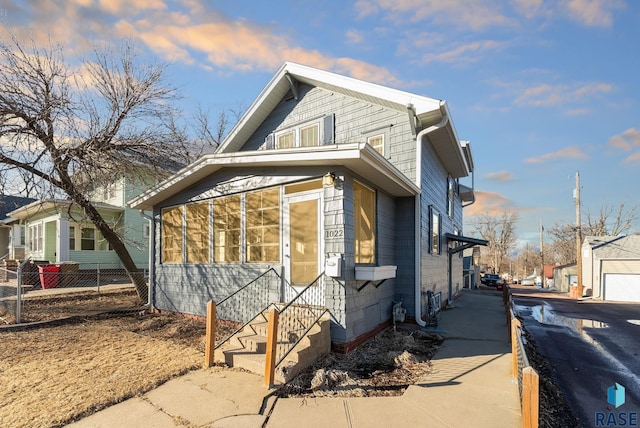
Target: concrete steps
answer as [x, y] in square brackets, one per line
[246, 349]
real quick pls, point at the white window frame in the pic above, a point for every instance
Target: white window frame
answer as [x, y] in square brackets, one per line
[435, 234]
[380, 146]
[36, 239]
[297, 132]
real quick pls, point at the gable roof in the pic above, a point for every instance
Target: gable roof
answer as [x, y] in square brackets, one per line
[615, 247]
[54, 205]
[10, 203]
[423, 110]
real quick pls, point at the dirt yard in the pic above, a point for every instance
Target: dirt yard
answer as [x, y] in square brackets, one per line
[383, 366]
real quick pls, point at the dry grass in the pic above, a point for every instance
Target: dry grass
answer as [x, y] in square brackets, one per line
[50, 376]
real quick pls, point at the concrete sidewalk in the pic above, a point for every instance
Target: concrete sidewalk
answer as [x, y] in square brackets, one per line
[470, 386]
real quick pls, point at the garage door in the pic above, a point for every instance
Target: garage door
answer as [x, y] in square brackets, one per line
[622, 287]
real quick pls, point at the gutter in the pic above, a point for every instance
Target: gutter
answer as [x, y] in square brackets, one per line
[152, 233]
[417, 209]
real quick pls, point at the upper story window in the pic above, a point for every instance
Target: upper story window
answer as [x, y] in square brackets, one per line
[314, 132]
[310, 135]
[286, 140]
[377, 142]
[301, 136]
[109, 191]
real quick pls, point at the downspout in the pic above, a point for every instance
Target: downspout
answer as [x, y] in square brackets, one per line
[473, 190]
[417, 270]
[152, 233]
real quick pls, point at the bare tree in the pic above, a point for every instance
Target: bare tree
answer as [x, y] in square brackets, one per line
[74, 126]
[499, 230]
[562, 249]
[608, 223]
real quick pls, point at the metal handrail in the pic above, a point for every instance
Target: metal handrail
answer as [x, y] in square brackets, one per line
[285, 346]
[248, 285]
[239, 329]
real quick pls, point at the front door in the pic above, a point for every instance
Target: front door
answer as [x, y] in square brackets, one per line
[302, 235]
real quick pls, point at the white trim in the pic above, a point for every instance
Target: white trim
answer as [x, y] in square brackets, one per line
[360, 158]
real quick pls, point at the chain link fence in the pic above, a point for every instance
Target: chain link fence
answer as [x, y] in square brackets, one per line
[32, 291]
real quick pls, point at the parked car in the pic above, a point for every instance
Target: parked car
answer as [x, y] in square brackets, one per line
[492, 279]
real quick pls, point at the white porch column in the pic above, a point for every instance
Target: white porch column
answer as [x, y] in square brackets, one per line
[62, 241]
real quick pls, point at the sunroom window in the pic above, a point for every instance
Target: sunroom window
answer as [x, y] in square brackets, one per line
[364, 204]
[226, 229]
[198, 232]
[171, 235]
[263, 226]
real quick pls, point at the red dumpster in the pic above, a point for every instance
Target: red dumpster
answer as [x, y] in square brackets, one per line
[49, 276]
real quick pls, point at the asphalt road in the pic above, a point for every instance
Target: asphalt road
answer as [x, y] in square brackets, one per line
[590, 346]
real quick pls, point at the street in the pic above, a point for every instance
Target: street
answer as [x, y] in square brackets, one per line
[589, 346]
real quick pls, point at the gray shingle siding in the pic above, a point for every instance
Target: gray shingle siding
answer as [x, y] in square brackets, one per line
[187, 288]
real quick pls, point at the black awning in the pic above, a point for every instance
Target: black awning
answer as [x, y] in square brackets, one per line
[467, 242]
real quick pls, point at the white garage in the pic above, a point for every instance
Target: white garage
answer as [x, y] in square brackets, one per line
[621, 287]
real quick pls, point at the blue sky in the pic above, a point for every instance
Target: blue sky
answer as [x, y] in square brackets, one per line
[542, 89]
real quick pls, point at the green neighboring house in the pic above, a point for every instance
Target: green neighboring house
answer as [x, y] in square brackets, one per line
[58, 231]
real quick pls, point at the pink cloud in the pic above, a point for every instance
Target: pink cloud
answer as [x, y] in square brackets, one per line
[568, 153]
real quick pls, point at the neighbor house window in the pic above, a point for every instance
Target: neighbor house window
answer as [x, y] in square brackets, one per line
[263, 226]
[109, 191]
[35, 237]
[226, 229]
[435, 232]
[88, 239]
[364, 204]
[197, 233]
[171, 235]
[377, 142]
[72, 238]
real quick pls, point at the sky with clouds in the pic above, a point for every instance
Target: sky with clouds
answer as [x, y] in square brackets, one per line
[541, 89]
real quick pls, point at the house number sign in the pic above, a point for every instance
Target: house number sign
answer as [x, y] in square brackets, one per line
[337, 233]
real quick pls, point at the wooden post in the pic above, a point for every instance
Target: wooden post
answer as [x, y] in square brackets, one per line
[272, 344]
[210, 335]
[530, 398]
[514, 347]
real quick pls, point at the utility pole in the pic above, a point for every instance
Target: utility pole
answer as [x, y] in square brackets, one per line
[542, 254]
[578, 235]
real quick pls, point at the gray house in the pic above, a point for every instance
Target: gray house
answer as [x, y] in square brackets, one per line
[611, 267]
[326, 179]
